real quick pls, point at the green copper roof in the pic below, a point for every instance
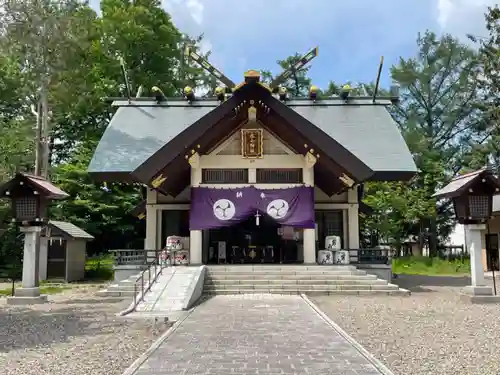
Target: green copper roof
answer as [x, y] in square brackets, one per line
[137, 132]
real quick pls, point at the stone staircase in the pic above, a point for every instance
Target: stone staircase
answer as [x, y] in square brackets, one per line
[295, 279]
[124, 288]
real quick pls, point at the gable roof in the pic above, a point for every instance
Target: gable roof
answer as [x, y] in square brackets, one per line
[368, 132]
[460, 184]
[360, 136]
[47, 188]
[186, 140]
[70, 230]
[138, 130]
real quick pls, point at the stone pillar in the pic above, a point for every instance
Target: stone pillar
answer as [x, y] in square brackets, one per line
[151, 220]
[195, 236]
[29, 293]
[353, 220]
[473, 239]
[309, 236]
[31, 259]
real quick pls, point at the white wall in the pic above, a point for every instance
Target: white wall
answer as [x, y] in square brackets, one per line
[457, 237]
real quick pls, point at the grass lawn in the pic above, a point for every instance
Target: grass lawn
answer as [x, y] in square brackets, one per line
[431, 266]
[99, 268]
[44, 289]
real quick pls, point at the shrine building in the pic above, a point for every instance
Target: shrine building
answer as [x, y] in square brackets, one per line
[254, 170]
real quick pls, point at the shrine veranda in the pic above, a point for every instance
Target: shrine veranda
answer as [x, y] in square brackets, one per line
[253, 177]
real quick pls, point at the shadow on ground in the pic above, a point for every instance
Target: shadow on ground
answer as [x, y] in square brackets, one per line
[423, 284]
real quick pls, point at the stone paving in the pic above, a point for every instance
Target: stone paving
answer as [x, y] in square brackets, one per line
[255, 334]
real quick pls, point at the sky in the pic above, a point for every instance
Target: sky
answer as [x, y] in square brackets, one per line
[352, 35]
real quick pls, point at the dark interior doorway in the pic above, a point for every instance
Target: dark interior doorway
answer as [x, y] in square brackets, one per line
[249, 243]
[56, 259]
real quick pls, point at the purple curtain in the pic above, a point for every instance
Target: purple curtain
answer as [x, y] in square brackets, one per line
[215, 208]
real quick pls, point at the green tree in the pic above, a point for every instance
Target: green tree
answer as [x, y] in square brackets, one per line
[45, 37]
[299, 82]
[489, 81]
[141, 33]
[101, 209]
[443, 125]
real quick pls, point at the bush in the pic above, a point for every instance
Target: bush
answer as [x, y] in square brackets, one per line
[420, 265]
[99, 268]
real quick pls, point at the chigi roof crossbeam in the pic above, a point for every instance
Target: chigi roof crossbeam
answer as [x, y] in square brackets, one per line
[220, 94]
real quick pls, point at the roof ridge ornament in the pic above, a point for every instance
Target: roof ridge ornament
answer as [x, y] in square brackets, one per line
[303, 61]
[211, 69]
[252, 76]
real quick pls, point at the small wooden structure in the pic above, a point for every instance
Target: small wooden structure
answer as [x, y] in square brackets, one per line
[472, 196]
[63, 251]
[30, 196]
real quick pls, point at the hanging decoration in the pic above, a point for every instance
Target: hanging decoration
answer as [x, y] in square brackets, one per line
[216, 208]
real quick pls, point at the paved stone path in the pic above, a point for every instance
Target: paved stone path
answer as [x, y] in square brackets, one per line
[255, 334]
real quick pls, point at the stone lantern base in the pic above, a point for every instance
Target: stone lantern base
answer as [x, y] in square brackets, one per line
[27, 296]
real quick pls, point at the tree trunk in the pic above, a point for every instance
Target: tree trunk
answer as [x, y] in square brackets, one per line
[45, 132]
[38, 141]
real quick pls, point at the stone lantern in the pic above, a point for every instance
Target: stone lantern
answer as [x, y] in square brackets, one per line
[30, 197]
[472, 196]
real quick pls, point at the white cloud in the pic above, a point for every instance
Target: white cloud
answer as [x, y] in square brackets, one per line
[196, 8]
[461, 17]
[205, 46]
[186, 11]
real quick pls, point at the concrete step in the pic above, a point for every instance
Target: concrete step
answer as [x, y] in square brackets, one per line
[277, 276]
[301, 287]
[280, 267]
[123, 287]
[115, 293]
[288, 272]
[311, 292]
[295, 282]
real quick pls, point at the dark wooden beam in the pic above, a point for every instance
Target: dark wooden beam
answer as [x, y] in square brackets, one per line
[183, 141]
[325, 145]
[326, 181]
[177, 173]
[297, 140]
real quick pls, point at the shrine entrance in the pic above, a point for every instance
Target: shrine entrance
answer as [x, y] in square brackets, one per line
[257, 240]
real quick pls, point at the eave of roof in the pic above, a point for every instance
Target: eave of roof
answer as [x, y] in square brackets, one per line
[460, 184]
[42, 185]
[71, 230]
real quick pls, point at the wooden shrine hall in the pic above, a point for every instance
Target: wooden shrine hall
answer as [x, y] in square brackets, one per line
[251, 174]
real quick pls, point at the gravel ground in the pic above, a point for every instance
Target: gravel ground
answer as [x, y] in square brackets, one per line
[430, 332]
[76, 333]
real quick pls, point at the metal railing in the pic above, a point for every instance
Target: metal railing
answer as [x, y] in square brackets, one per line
[370, 256]
[157, 267]
[358, 257]
[148, 276]
[134, 257]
